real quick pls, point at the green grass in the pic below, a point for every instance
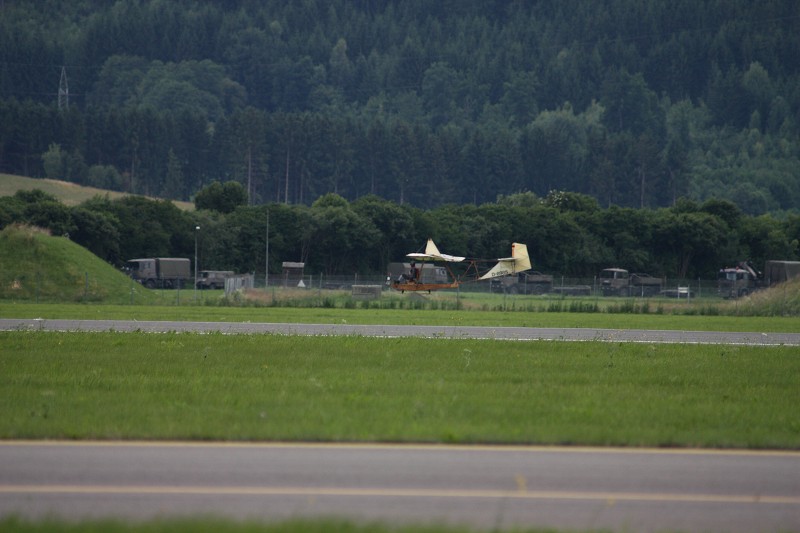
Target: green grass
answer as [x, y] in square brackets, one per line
[216, 525]
[320, 315]
[263, 387]
[36, 267]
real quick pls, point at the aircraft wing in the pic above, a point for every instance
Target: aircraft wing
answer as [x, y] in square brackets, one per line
[432, 253]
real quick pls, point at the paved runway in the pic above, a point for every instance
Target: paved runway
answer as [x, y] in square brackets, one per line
[478, 486]
[462, 332]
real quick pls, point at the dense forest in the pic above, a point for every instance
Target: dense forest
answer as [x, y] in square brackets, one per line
[636, 103]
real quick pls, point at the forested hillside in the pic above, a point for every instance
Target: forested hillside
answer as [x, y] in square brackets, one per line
[634, 102]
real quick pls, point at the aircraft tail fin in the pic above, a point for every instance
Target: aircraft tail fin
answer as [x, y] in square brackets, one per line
[431, 249]
[432, 253]
[518, 262]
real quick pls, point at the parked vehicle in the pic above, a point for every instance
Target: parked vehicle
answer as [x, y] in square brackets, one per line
[213, 279]
[744, 278]
[428, 272]
[160, 272]
[779, 271]
[530, 282]
[619, 282]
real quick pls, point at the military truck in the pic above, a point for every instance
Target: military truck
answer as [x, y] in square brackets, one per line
[213, 279]
[428, 273]
[160, 272]
[745, 278]
[620, 282]
[739, 280]
[779, 271]
[530, 282]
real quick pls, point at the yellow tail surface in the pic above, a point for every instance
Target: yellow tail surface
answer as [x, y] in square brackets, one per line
[518, 262]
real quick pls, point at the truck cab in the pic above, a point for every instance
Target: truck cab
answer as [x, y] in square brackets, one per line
[614, 281]
[735, 282]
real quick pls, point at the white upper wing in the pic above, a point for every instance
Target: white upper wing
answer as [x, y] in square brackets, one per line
[432, 253]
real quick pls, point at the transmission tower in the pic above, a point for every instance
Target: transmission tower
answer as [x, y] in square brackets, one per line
[63, 91]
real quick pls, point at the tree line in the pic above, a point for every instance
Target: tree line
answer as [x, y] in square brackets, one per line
[566, 233]
[635, 103]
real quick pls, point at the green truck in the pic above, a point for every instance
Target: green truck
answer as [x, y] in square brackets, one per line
[428, 272]
[529, 282]
[213, 279]
[620, 282]
[745, 278]
[160, 272]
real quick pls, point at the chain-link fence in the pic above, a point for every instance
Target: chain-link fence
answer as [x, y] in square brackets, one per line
[83, 287]
[557, 285]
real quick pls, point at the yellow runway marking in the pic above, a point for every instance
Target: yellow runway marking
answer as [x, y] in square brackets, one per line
[398, 493]
[404, 447]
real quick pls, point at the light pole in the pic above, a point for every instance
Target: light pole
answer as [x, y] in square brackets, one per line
[196, 231]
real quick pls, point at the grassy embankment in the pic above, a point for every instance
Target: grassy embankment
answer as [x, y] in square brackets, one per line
[68, 193]
[36, 267]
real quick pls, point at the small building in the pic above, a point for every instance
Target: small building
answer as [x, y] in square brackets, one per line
[292, 273]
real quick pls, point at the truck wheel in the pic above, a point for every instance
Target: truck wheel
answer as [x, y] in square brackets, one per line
[150, 284]
[513, 290]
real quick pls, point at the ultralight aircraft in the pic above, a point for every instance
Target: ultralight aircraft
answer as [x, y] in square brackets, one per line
[412, 281]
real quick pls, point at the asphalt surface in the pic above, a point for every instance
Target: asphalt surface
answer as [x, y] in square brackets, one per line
[462, 332]
[480, 487]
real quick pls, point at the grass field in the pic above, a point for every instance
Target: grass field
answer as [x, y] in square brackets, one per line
[322, 315]
[264, 387]
[68, 193]
[214, 525]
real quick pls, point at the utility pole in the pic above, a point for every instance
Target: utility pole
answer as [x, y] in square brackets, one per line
[286, 190]
[63, 91]
[266, 260]
[196, 231]
[249, 174]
